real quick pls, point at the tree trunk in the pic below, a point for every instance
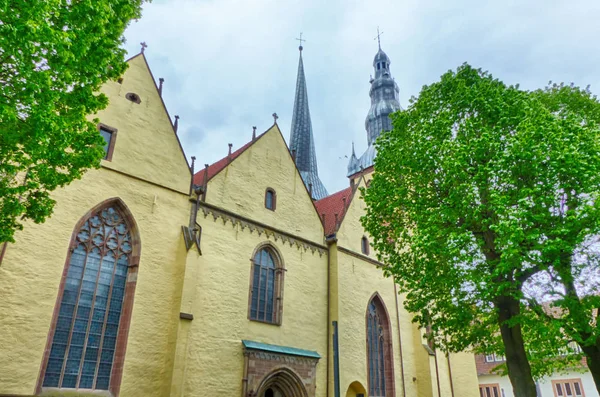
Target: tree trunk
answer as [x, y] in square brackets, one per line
[519, 370]
[592, 355]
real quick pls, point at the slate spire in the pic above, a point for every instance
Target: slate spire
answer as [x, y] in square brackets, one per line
[301, 140]
[384, 95]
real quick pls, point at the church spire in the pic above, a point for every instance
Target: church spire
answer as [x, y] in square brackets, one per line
[384, 95]
[301, 139]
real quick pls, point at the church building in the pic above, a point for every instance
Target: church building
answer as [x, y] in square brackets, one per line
[241, 278]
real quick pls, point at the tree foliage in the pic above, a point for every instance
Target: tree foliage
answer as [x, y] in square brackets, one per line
[484, 204]
[54, 57]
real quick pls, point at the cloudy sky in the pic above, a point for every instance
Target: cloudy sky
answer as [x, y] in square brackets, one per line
[229, 64]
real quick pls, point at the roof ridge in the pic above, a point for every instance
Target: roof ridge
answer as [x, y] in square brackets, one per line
[215, 168]
[336, 203]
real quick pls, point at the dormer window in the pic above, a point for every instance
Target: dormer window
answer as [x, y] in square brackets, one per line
[270, 199]
[364, 245]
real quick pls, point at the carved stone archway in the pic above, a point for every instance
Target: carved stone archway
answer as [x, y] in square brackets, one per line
[286, 381]
[291, 371]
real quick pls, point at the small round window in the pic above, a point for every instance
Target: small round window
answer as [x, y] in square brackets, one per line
[133, 97]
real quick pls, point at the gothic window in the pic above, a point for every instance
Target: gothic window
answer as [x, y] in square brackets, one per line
[379, 350]
[90, 325]
[266, 287]
[364, 245]
[270, 199]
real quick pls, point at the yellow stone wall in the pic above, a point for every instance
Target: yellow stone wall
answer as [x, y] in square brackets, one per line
[218, 282]
[146, 146]
[240, 188]
[32, 267]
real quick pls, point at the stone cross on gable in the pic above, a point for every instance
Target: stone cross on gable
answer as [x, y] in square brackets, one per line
[275, 117]
[144, 46]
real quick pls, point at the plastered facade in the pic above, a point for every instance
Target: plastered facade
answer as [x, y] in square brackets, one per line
[190, 310]
[543, 385]
[155, 192]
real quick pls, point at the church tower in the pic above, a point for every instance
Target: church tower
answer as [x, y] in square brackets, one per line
[384, 101]
[302, 143]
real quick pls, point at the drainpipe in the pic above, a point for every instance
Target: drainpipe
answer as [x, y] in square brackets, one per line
[328, 308]
[336, 361]
[437, 374]
[450, 375]
[2, 252]
[400, 341]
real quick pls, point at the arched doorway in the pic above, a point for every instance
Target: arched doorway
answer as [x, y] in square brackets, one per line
[282, 383]
[356, 389]
[272, 392]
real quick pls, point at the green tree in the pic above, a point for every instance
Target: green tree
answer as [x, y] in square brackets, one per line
[484, 204]
[54, 57]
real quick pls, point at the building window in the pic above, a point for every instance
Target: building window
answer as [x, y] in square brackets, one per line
[364, 245]
[270, 199]
[379, 350]
[110, 135]
[567, 388]
[89, 330]
[266, 286]
[378, 66]
[133, 97]
[494, 358]
[489, 390]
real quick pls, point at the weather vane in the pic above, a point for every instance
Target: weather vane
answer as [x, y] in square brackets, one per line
[300, 40]
[378, 37]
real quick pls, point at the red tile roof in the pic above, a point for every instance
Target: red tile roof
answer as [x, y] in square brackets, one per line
[331, 205]
[218, 166]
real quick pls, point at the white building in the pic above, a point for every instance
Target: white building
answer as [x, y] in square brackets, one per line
[576, 383]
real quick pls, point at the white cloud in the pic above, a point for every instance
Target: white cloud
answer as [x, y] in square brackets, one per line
[228, 65]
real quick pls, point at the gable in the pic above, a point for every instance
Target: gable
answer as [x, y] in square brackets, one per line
[351, 231]
[266, 163]
[332, 209]
[146, 145]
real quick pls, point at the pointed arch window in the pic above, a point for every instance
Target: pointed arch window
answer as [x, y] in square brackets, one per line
[266, 287]
[86, 343]
[379, 350]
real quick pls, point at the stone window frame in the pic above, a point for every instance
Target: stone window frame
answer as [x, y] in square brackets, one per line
[113, 138]
[273, 198]
[390, 388]
[487, 390]
[571, 382]
[116, 375]
[280, 271]
[365, 245]
[133, 97]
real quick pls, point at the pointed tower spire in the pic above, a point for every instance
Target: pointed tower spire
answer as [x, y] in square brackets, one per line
[301, 139]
